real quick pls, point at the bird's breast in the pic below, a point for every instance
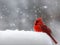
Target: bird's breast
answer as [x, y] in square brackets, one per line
[37, 28]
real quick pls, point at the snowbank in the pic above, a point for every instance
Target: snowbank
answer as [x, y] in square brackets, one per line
[24, 38]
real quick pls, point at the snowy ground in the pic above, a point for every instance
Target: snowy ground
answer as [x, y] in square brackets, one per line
[24, 38]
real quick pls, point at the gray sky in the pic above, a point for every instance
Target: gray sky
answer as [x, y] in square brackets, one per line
[20, 14]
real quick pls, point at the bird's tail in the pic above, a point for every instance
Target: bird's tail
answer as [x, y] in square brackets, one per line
[53, 39]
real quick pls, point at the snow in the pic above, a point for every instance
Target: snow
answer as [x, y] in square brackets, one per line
[10, 37]
[45, 7]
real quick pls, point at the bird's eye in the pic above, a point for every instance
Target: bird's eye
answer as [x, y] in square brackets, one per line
[36, 22]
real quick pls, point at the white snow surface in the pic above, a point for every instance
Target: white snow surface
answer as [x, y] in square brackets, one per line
[16, 37]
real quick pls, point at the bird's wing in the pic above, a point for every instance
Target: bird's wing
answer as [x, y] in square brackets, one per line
[46, 29]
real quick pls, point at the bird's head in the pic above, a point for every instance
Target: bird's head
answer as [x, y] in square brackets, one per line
[39, 21]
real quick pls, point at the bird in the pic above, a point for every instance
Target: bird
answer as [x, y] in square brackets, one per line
[40, 26]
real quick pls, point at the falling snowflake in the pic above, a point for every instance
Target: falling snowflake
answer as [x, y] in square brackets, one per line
[45, 7]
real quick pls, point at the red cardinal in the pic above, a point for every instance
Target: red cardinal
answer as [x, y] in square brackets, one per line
[39, 26]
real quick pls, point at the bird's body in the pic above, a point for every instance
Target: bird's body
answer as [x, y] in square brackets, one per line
[39, 26]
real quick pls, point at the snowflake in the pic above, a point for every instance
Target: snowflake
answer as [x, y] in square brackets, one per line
[34, 7]
[45, 7]
[23, 20]
[21, 12]
[1, 17]
[35, 11]
[12, 24]
[17, 10]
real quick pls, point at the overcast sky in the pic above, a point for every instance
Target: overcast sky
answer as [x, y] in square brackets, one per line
[20, 14]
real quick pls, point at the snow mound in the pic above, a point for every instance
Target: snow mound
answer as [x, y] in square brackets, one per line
[16, 37]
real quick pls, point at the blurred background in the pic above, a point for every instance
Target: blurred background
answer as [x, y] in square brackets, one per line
[21, 14]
